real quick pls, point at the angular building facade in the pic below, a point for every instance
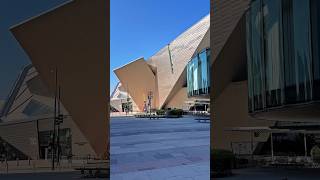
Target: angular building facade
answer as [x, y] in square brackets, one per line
[27, 122]
[265, 71]
[120, 100]
[72, 41]
[175, 74]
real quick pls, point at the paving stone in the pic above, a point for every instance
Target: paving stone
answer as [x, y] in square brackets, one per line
[164, 149]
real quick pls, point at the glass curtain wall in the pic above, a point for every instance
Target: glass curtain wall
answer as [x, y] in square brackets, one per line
[190, 69]
[315, 24]
[198, 81]
[288, 45]
[257, 62]
[204, 73]
[280, 65]
[273, 51]
[195, 78]
[249, 55]
[298, 70]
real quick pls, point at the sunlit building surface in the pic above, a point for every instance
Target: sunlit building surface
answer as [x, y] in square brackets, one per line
[175, 75]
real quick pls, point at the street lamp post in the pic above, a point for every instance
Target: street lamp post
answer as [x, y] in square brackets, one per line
[57, 120]
[53, 149]
[150, 96]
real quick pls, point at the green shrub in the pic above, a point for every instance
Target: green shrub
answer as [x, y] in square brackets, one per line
[175, 112]
[222, 162]
[160, 112]
[315, 153]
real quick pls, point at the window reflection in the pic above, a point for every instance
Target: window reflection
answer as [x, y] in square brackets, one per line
[198, 81]
[298, 70]
[280, 66]
[273, 58]
[315, 21]
[257, 62]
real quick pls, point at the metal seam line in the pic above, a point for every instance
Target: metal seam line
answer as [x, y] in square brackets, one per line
[170, 58]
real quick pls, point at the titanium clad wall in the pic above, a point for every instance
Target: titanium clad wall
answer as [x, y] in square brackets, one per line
[225, 16]
[231, 111]
[20, 98]
[138, 79]
[181, 50]
[23, 136]
[119, 96]
[31, 103]
[182, 81]
[204, 44]
[73, 38]
[231, 63]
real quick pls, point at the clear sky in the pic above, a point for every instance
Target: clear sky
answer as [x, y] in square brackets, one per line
[12, 57]
[140, 28]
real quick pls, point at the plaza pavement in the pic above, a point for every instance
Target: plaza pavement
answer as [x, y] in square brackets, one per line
[159, 149]
[274, 174]
[41, 176]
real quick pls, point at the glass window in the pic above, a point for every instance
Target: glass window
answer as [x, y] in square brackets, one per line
[315, 19]
[35, 108]
[208, 70]
[204, 72]
[195, 74]
[65, 138]
[249, 60]
[272, 51]
[257, 64]
[190, 78]
[198, 82]
[298, 73]
[283, 65]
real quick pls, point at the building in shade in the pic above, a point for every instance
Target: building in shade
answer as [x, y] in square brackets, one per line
[283, 62]
[176, 76]
[269, 60]
[120, 100]
[72, 41]
[1, 104]
[27, 122]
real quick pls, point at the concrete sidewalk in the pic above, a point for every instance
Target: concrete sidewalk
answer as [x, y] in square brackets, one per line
[144, 149]
[41, 166]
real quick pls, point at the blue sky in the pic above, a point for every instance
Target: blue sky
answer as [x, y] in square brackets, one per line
[140, 28]
[12, 57]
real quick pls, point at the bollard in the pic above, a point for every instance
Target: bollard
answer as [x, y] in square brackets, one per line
[7, 166]
[33, 165]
